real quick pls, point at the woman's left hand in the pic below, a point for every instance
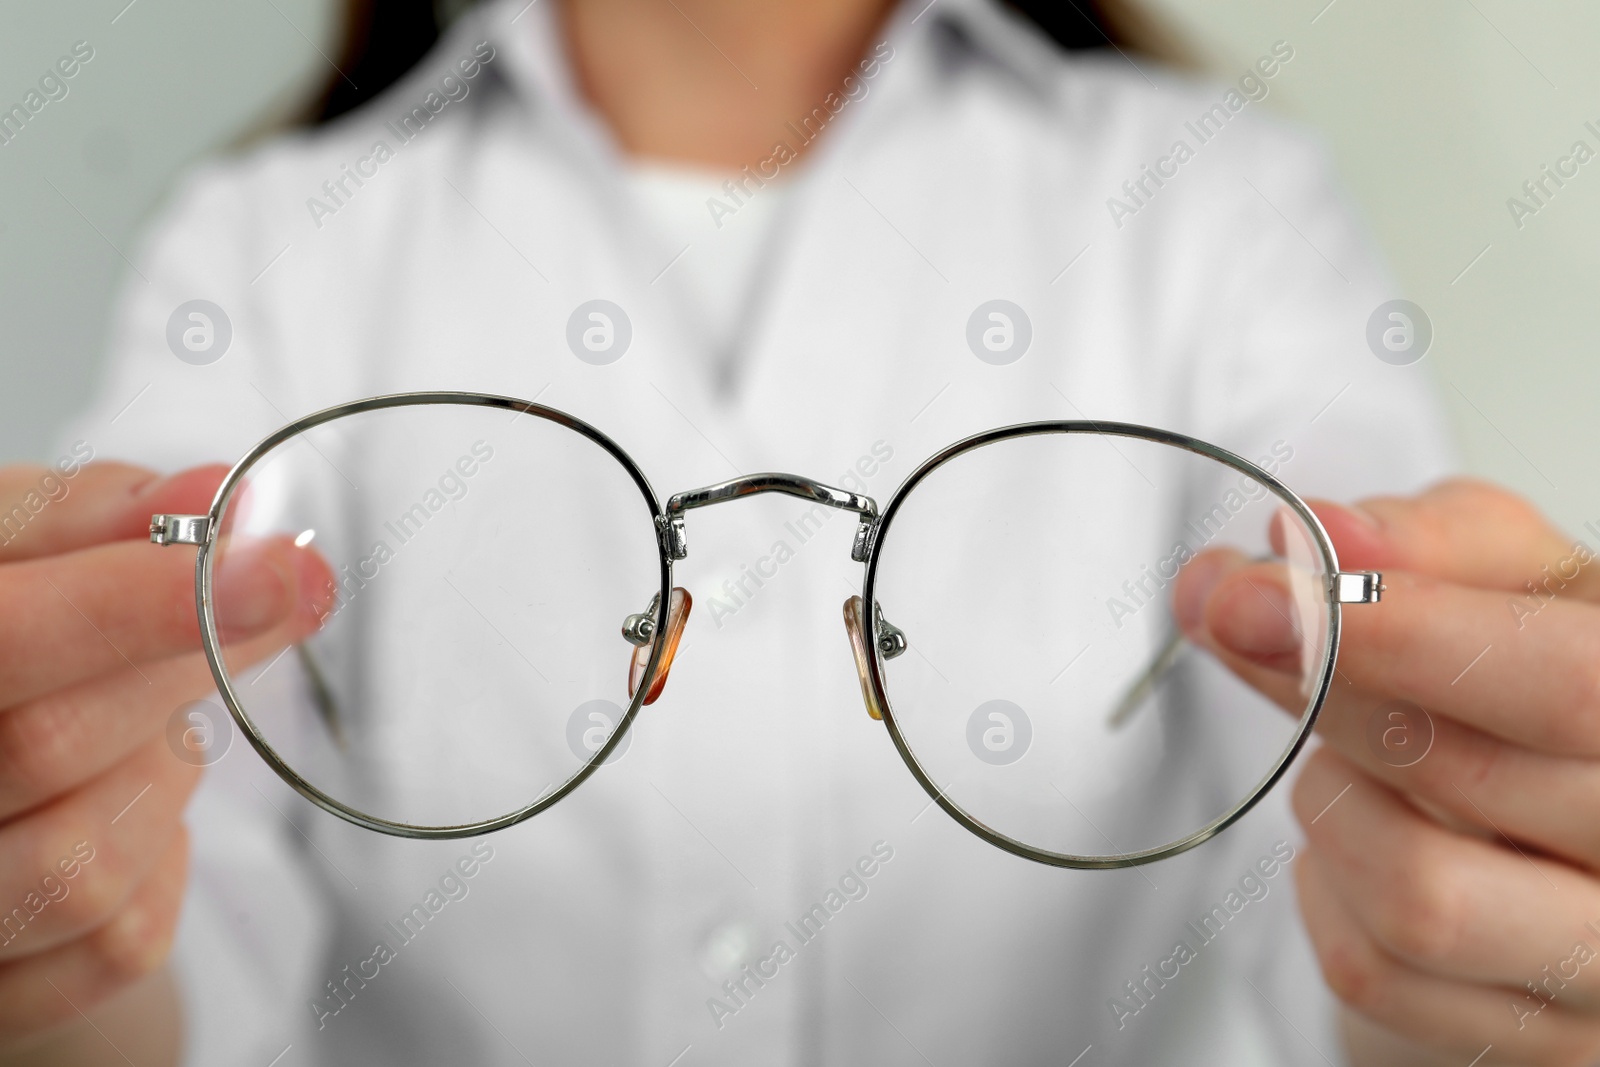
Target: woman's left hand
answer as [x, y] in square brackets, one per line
[1451, 883]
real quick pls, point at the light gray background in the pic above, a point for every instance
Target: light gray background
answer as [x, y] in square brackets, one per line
[1437, 111]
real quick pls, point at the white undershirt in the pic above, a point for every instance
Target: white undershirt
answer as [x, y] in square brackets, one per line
[714, 241]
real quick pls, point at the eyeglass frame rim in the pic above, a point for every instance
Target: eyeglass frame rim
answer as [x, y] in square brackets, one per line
[1134, 431]
[212, 645]
[880, 524]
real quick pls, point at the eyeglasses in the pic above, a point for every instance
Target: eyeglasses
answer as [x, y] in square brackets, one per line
[499, 605]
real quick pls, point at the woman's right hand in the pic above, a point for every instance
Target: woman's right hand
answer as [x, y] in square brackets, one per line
[99, 647]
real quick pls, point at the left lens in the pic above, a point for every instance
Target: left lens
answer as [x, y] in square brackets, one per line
[1043, 694]
[483, 563]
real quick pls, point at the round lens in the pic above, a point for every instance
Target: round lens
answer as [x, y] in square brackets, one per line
[1045, 691]
[470, 659]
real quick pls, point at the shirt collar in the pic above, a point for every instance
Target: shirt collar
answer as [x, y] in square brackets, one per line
[529, 46]
[985, 32]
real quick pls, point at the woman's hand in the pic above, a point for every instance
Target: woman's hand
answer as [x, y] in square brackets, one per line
[1454, 896]
[99, 646]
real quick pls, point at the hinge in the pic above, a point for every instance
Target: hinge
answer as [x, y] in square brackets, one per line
[866, 535]
[672, 536]
[1357, 587]
[179, 529]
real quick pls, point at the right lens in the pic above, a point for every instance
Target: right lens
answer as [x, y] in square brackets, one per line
[1042, 694]
[473, 660]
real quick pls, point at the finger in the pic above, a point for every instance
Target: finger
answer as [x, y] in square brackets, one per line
[1445, 904]
[1464, 531]
[119, 605]
[1452, 649]
[45, 514]
[115, 828]
[1467, 778]
[52, 988]
[1480, 1023]
[59, 741]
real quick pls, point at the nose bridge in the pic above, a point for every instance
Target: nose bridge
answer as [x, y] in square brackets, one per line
[670, 525]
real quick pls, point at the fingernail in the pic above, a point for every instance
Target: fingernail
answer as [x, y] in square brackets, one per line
[1255, 618]
[151, 486]
[1363, 516]
[1195, 584]
[316, 584]
[252, 589]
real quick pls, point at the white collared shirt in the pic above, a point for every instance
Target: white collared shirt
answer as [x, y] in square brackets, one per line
[1229, 301]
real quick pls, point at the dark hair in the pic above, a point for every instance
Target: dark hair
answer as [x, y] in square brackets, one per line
[382, 39]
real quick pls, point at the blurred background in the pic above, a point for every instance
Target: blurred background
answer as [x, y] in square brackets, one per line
[1436, 110]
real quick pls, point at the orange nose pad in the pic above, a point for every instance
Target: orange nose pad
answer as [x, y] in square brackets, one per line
[855, 627]
[678, 605]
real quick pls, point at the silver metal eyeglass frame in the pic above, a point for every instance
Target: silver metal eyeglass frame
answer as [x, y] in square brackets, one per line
[885, 642]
